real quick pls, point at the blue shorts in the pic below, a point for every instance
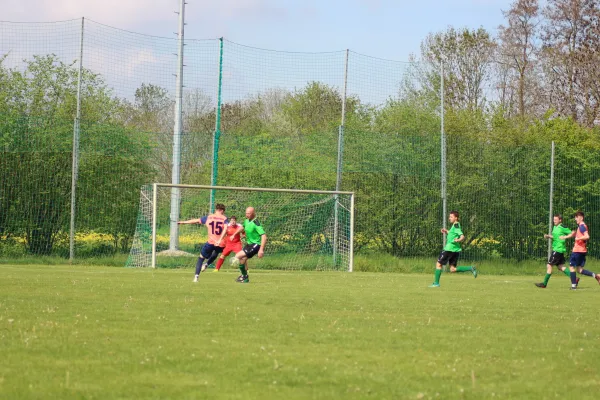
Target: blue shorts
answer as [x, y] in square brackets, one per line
[207, 250]
[577, 260]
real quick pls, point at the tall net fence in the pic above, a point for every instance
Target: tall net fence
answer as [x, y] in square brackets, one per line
[262, 118]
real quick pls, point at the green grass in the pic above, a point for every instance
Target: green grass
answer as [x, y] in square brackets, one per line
[375, 262]
[116, 333]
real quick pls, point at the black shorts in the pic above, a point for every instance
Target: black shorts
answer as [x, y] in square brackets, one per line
[208, 249]
[251, 250]
[449, 257]
[577, 259]
[556, 258]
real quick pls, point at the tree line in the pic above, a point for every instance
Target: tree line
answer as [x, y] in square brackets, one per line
[506, 98]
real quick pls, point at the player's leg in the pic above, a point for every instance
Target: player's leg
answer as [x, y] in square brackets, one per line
[546, 278]
[249, 251]
[553, 260]
[573, 263]
[205, 252]
[222, 257]
[439, 265]
[464, 268]
[586, 272]
[242, 259]
[216, 251]
[226, 252]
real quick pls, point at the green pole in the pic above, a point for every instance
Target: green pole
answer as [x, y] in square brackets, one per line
[217, 133]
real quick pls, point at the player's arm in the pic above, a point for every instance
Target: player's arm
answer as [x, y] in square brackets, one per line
[460, 239]
[263, 243]
[240, 230]
[222, 236]
[569, 236]
[586, 233]
[546, 236]
[201, 220]
[444, 230]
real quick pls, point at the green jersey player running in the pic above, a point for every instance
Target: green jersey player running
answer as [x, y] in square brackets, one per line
[256, 240]
[559, 249]
[452, 250]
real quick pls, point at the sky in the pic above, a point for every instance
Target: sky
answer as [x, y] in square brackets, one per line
[380, 28]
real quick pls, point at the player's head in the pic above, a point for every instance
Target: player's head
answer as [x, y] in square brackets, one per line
[220, 207]
[453, 217]
[233, 220]
[579, 215]
[558, 219]
[250, 213]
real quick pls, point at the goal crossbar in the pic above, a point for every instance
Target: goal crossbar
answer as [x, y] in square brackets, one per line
[155, 187]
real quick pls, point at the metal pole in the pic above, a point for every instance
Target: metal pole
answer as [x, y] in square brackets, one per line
[551, 202]
[253, 189]
[340, 160]
[443, 151]
[154, 217]
[351, 258]
[217, 132]
[75, 165]
[175, 192]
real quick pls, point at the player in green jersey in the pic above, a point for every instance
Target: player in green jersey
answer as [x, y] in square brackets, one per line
[559, 249]
[256, 240]
[452, 250]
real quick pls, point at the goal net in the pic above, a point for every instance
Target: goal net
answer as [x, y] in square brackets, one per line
[306, 229]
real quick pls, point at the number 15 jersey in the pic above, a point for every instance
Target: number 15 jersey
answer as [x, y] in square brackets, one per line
[215, 224]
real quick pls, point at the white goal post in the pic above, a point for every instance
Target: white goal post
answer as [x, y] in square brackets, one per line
[324, 217]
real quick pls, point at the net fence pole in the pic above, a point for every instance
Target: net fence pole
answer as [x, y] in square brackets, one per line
[154, 218]
[217, 132]
[176, 173]
[340, 160]
[551, 199]
[75, 165]
[351, 244]
[443, 154]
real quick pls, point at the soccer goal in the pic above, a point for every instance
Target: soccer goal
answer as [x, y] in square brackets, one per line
[306, 229]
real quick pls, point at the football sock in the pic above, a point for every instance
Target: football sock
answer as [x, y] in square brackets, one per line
[464, 269]
[588, 273]
[438, 273]
[243, 269]
[546, 279]
[566, 272]
[219, 263]
[199, 265]
[573, 276]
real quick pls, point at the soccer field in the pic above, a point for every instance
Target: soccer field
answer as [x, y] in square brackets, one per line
[108, 333]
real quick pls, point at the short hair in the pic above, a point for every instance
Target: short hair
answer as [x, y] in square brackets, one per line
[220, 206]
[233, 217]
[580, 214]
[455, 213]
[559, 216]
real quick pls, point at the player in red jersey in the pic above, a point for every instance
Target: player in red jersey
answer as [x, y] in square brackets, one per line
[231, 237]
[215, 223]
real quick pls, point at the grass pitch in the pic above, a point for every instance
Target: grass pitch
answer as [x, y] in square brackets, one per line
[115, 333]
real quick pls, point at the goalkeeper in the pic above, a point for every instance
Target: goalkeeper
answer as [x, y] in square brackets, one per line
[256, 240]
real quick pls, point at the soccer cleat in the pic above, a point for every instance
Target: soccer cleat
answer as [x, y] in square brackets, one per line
[434, 285]
[598, 278]
[245, 279]
[474, 271]
[573, 287]
[540, 285]
[203, 268]
[576, 282]
[240, 278]
[215, 270]
[195, 278]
